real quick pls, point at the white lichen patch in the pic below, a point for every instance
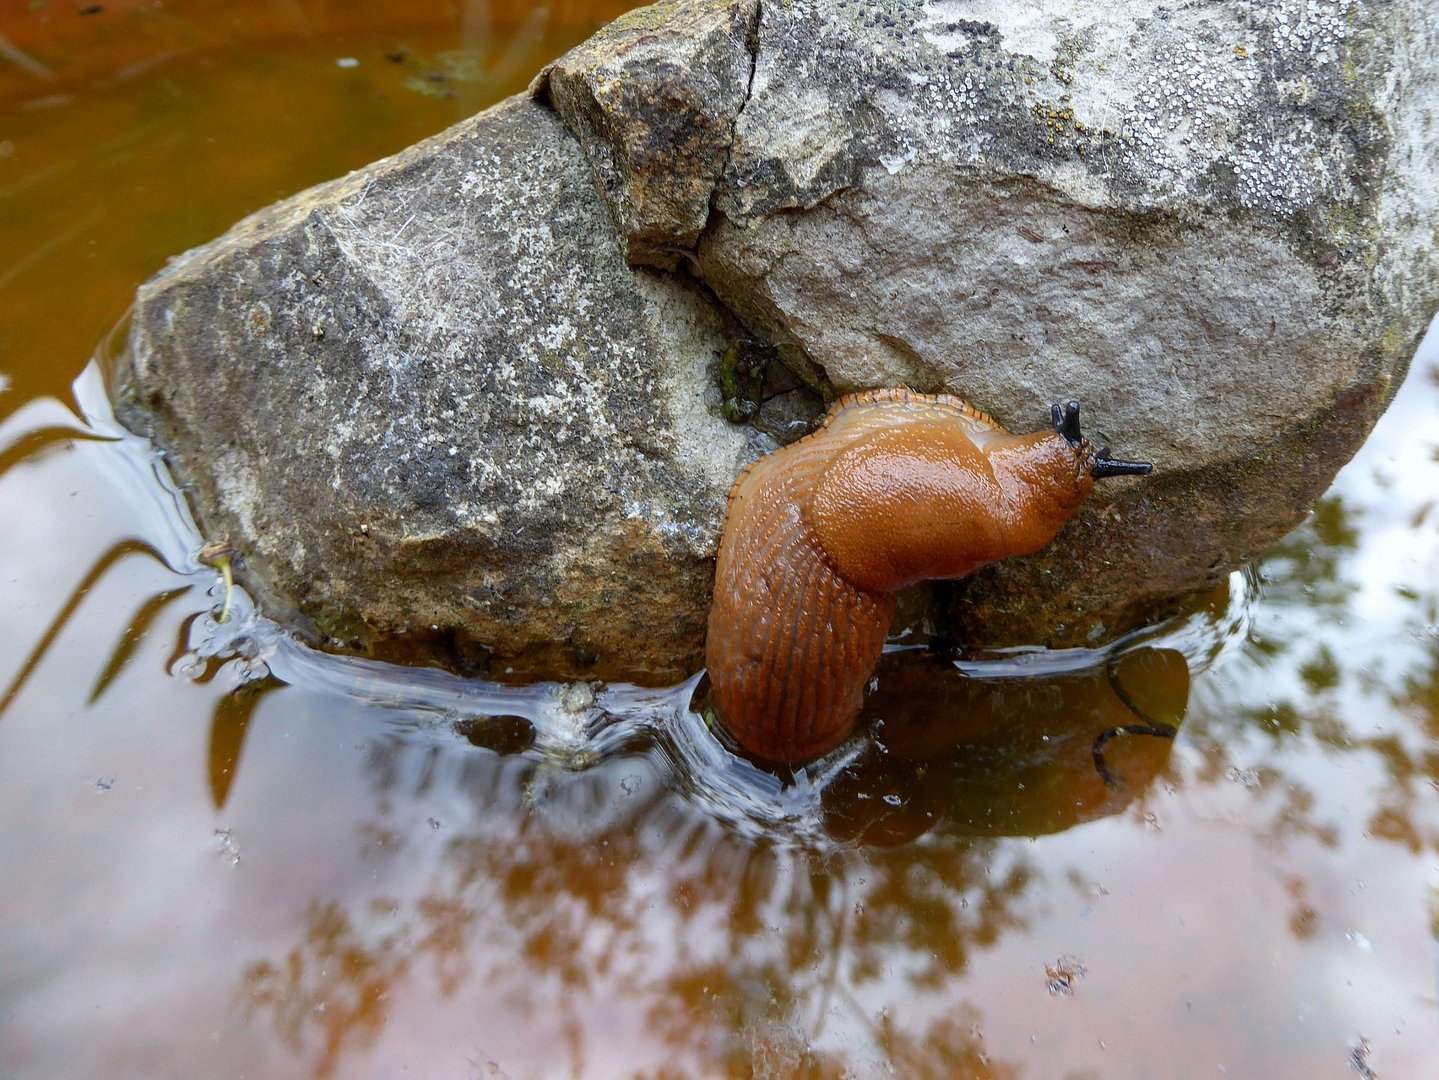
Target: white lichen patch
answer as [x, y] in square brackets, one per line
[1220, 105]
[1222, 95]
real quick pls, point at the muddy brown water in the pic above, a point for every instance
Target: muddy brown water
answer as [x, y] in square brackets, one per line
[223, 854]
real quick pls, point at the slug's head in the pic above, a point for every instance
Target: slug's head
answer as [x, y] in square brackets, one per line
[1100, 465]
[933, 492]
[1049, 474]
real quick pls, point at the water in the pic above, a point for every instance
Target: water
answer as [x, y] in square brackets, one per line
[224, 854]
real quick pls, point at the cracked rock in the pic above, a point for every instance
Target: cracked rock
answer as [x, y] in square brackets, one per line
[459, 405]
[1213, 223]
[442, 419]
[653, 99]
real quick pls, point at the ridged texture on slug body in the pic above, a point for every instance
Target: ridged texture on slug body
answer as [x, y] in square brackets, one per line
[894, 488]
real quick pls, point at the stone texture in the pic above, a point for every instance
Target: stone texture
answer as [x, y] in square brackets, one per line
[653, 100]
[442, 419]
[1212, 223]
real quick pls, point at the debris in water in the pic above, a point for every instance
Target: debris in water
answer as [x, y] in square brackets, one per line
[577, 697]
[217, 554]
[1359, 1059]
[104, 783]
[1063, 974]
[1359, 939]
[1248, 777]
[228, 848]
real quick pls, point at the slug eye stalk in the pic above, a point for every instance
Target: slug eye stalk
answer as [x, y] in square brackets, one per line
[1104, 466]
[1066, 423]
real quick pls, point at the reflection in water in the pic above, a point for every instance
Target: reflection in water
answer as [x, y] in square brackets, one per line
[743, 952]
[1008, 755]
[228, 727]
[29, 445]
[529, 857]
[769, 916]
[129, 635]
[136, 627]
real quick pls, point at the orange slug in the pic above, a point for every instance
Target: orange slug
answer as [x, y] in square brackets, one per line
[893, 488]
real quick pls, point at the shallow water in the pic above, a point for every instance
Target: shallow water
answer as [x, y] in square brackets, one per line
[224, 854]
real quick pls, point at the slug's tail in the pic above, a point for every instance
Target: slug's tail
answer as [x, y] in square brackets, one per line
[791, 644]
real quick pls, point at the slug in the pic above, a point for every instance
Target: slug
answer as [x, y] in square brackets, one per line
[893, 488]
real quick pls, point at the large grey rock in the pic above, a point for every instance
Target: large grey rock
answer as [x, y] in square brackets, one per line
[1214, 223]
[440, 416]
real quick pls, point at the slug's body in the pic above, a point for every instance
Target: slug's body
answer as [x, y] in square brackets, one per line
[894, 488]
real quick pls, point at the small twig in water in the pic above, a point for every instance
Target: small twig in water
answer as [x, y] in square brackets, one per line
[217, 554]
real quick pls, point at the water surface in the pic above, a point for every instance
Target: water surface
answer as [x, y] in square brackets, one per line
[223, 854]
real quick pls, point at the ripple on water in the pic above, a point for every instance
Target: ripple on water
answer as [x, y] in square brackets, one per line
[851, 795]
[1062, 707]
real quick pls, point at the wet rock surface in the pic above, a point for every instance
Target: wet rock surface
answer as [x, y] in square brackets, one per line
[441, 418]
[444, 405]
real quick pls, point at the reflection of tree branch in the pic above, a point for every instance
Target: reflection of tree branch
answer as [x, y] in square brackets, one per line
[950, 1047]
[745, 953]
[1305, 568]
[62, 618]
[767, 931]
[347, 1008]
[34, 441]
[228, 726]
[135, 630]
[836, 953]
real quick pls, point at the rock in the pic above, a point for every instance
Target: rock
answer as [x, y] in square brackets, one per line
[653, 99]
[445, 418]
[442, 419]
[1213, 223]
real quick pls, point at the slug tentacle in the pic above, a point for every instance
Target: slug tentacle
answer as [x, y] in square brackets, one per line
[895, 487]
[1105, 466]
[1066, 422]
